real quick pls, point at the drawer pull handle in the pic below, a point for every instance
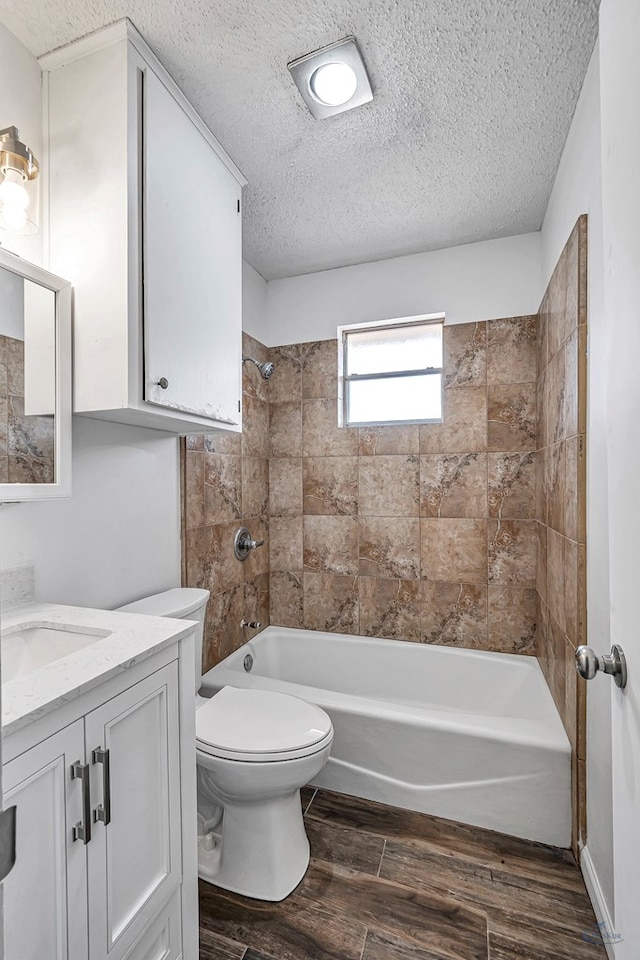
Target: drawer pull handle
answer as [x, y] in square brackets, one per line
[82, 829]
[103, 811]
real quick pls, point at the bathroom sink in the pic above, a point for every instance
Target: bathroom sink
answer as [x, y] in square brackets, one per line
[31, 646]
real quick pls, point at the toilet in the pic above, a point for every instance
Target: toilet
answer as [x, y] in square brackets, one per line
[254, 749]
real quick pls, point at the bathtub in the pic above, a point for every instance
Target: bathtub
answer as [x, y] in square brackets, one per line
[462, 734]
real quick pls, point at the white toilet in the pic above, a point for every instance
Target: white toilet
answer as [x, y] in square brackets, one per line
[254, 751]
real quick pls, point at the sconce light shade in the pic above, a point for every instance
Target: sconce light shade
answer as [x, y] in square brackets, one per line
[18, 184]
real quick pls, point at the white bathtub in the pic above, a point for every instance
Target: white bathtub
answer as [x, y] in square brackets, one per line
[461, 734]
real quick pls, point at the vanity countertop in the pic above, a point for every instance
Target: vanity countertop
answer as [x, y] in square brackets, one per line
[132, 638]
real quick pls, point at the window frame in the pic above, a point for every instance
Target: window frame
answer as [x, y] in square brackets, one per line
[345, 379]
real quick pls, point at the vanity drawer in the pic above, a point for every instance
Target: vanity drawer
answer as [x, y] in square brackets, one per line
[163, 939]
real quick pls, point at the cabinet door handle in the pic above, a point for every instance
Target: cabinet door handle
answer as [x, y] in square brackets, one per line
[103, 811]
[82, 829]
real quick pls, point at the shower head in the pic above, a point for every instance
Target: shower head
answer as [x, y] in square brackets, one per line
[266, 369]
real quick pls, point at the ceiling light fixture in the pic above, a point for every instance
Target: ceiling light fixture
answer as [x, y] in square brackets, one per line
[18, 189]
[333, 79]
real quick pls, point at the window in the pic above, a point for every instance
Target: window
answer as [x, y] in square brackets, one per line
[391, 372]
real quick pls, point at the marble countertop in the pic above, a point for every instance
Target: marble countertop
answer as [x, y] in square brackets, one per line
[131, 638]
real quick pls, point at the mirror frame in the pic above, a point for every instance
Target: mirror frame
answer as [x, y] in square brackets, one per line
[17, 492]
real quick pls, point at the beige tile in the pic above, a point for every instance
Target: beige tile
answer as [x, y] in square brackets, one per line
[321, 435]
[389, 547]
[255, 486]
[222, 487]
[195, 442]
[223, 441]
[390, 608]
[465, 354]
[556, 487]
[453, 485]
[211, 563]
[285, 487]
[331, 603]
[511, 485]
[255, 427]
[556, 577]
[320, 369]
[286, 598]
[454, 551]
[571, 590]
[512, 349]
[285, 382]
[285, 542]
[193, 491]
[331, 545]
[512, 618]
[464, 425]
[511, 417]
[570, 385]
[330, 486]
[389, 486]
[512, 547]
[256, 602]
[454, 614]
[582, 379]
[257, 562]
[555, 402]
[222, 633]
[389, 440]
[541, 564]
[285, 429]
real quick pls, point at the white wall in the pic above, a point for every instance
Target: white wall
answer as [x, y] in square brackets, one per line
[478, 281]
[119, 536]
[578, 189]
[254, 303]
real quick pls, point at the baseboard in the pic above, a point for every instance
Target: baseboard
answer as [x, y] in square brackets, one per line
[597, 898]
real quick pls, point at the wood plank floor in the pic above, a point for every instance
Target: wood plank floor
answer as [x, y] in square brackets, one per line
[389, 884]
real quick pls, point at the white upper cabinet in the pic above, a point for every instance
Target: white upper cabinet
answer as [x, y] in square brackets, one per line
[145, 221]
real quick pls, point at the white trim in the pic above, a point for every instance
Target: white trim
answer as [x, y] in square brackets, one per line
[596, 896]
[125, 30]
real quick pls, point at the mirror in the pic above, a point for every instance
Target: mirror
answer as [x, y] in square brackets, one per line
[35, 382]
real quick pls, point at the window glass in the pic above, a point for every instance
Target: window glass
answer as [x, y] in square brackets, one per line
[392, 349]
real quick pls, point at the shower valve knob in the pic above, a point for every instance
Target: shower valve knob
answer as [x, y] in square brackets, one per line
[244, 543]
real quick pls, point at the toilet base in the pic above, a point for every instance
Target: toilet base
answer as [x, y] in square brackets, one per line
[261, 850]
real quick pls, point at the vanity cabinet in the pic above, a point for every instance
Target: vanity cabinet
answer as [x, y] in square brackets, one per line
[144, 217]
[100, 834]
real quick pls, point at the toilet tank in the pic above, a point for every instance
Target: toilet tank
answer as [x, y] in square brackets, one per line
[183, 603]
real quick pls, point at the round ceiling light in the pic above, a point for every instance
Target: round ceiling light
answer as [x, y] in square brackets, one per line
[333, 83]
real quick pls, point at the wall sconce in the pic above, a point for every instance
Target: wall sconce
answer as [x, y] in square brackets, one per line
[18, 187]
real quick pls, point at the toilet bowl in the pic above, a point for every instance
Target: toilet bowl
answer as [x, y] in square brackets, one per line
[254, 750]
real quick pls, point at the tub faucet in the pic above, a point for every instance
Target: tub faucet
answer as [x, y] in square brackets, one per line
[250, 624]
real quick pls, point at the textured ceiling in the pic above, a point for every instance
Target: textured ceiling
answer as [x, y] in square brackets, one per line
[472, 104]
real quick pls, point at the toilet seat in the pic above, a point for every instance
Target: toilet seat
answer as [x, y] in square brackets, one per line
[259, 726]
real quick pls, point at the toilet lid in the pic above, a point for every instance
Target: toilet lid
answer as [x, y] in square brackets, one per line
[255, 723]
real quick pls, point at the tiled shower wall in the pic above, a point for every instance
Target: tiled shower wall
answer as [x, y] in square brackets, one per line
[424, 533]
[561, 493]
[225, 485]
[26, 443]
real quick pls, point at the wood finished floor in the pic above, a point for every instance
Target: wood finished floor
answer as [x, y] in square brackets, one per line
[389, 884]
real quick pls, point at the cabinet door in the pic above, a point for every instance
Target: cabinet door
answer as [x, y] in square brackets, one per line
[134, 859]
[192, 269]
[45, 895]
